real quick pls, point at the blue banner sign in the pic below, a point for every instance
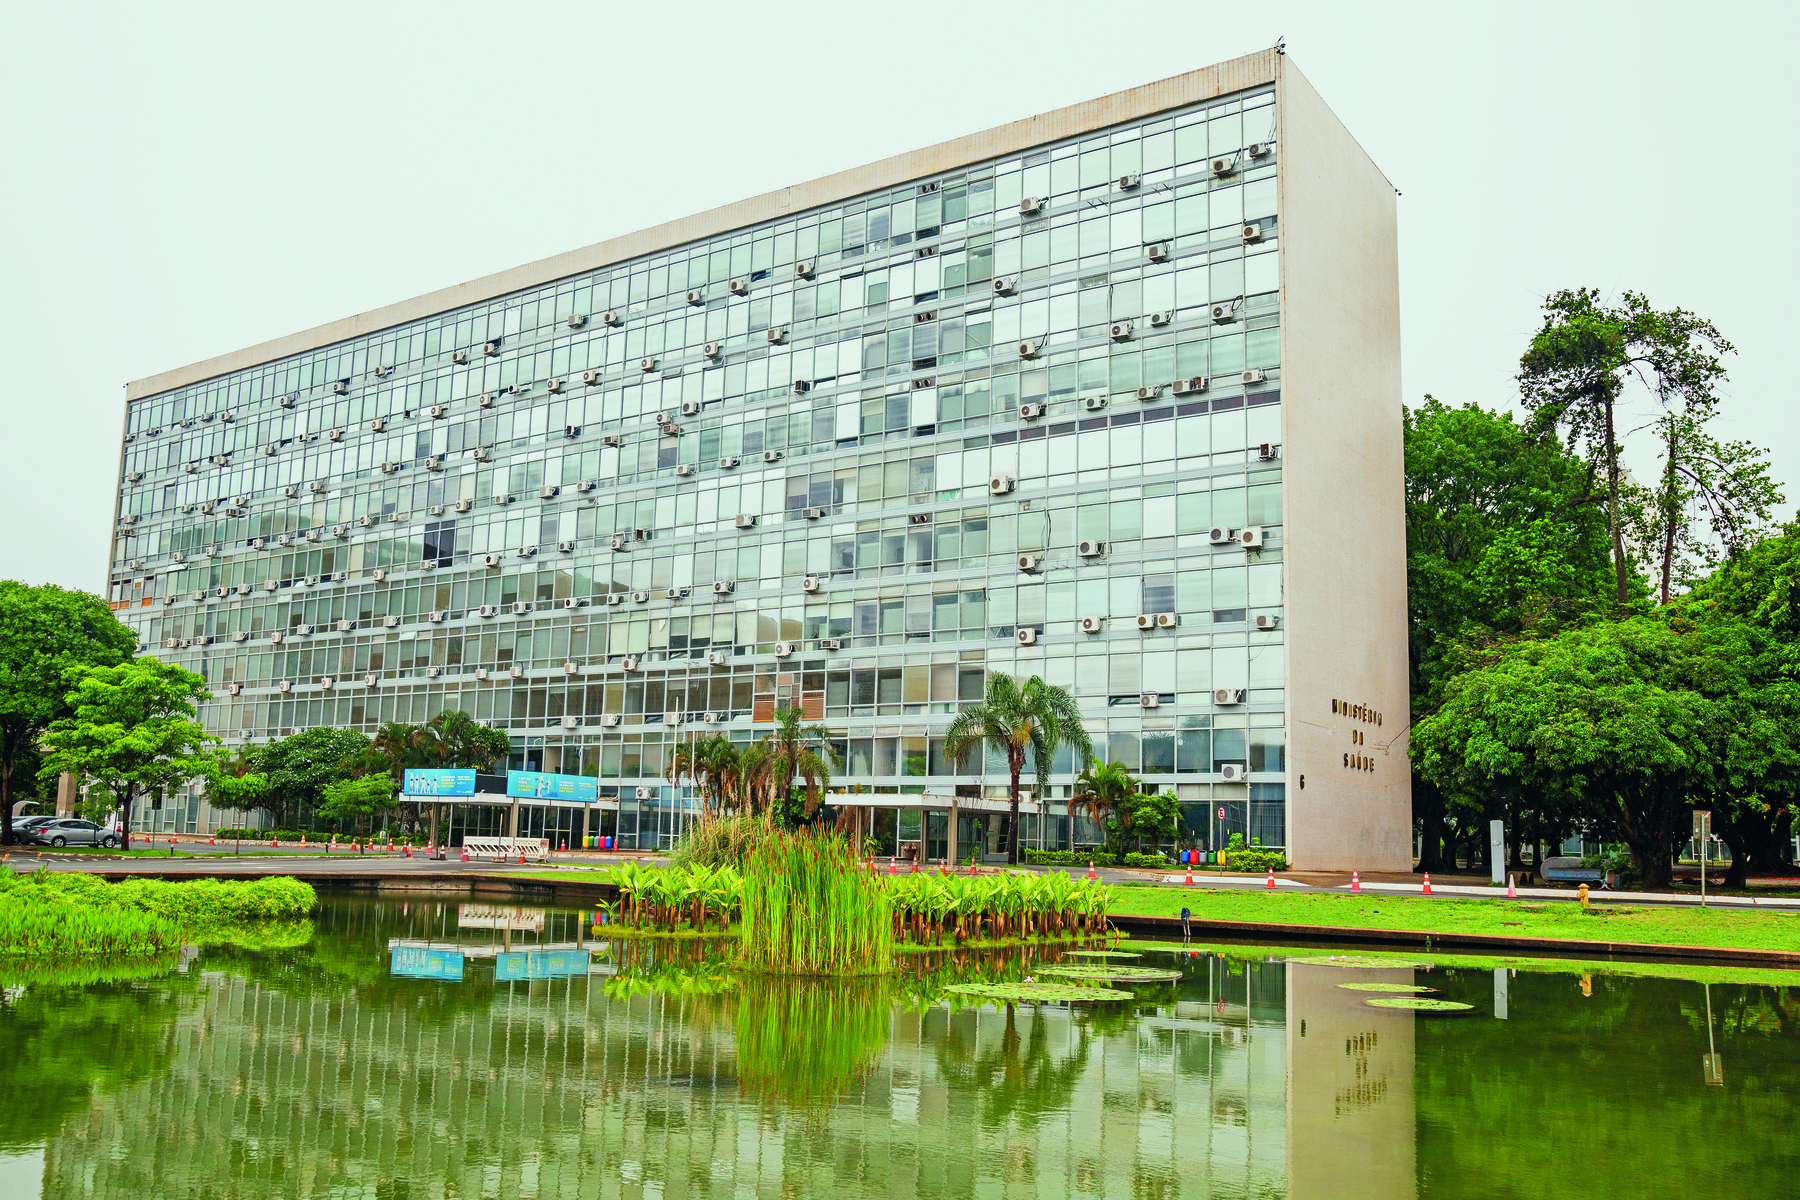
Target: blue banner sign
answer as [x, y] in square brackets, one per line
[539, 785]
[543, 964]
[420, 963]
[440, 783]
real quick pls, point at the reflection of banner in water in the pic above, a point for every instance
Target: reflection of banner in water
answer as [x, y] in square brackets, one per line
[546, 964]
[492, 916]
[421, 963]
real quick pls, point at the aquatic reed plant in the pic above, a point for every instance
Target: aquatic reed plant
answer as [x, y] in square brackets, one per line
[809, 908]
[806, 1042]
[73, 913]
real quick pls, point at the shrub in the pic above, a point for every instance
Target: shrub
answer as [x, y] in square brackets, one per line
[76, 913]
[1255, 860]
[1069, 858]
[1150, 861]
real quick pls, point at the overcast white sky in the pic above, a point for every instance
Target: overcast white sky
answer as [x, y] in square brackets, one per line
[187, 180]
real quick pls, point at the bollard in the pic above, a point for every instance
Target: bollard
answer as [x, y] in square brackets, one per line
[1511, 891]
[1355, 882]
[1271, 884]
[1091, 873]
[1582, 895]
[1426, 890]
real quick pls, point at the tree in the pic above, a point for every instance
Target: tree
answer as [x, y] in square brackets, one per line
[356, 799]
[453, 738]
[1141, 815]
[133, 728]
[299, 768]
[44, 632]
[1712, 500]
[712, 764]
[788, 752]
[1575, 371]
[233, 781]
[1098, 791]
[1025, 722]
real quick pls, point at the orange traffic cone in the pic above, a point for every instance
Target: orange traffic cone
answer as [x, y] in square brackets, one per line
[1091, 874]
[465, 851]
[1190, 875]
[1355, 882]
[894, 864]
[1426, 891]
[211, 840]
[1512, 892]
[409, 849]
[1271, 884]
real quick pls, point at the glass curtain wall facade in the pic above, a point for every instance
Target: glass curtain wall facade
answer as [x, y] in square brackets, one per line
[1009, 417]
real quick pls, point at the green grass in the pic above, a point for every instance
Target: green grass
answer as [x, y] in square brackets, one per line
[1650, 925]
[63, 914]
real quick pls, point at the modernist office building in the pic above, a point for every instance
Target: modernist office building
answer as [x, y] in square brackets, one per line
[1109, 395]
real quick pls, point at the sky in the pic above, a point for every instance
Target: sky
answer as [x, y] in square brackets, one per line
[184, 180]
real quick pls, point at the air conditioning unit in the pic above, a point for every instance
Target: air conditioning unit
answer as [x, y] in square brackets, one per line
[459, 356]
[303, 630]
[479, 454]
[548, 490]
[378, 574]
[1159, 319]
[611, 439]
[566, 546]
[1167, 620]
[569, 668]
[684, 469]
[1028, 348]
[783, 649]
[206, 508]
[723, 587]
[647, 363]
[804, 268]
[462, 506]
[711, 350]
[284, 686]
[1231, 772]
[436, 616]
[1031, 410]
[831, 643]
[434, 463]
[640, 535]
[133, 476]
[1224, 166]
[576, 320]
[553, 384]
[1149, 391]
[715, 658]
[1259, 149]
[191, 468]
[746, 520]
[1028, 563]
[339, 386]
[270, 585]
[284, 539]
[738, 287]
[1129, 182]
[288, 401]
[1157, 252]
[800, 387]
[1149, 700]
[485, 400]
[365, 521]
[729, 462]
[378, 424]
[436, 412]
[611, 317]
[275, 638]
[1228, 695]
[775, 334]
[1003, 285]
[1251, 536]
[1224, 313]
[1220, 535]
[617, 541]
[1266, 452]
[696, 297]
[809, 583]
[1093, 403]
[1030, 206]
[340, 530]
[629, 662]
[1266, 621]
[609, 720]
[521, 607]
[1120, 331]
[1093, 624]
[770, 456]
[271, 450]
[527, 551]
[1027, 636]
[676, 593]
[1253, 232]
[481, 673]
[1091, 549]
[590, 378]
[1146, 620]
[1189, 387]
[491, 349]
[388, 468]
[812, 514]
[488, 610]
[1254, 375]
[390, 622]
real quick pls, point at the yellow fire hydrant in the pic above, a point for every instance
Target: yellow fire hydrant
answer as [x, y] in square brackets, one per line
[1583, 895]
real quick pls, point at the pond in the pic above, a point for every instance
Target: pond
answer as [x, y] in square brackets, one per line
[414, 1050]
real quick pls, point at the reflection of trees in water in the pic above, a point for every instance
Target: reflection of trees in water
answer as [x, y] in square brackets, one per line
[807, 1042]
[1018, 1076]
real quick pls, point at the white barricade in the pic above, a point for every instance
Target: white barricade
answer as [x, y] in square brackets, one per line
[507, 848]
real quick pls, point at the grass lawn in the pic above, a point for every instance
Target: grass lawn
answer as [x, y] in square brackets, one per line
[1506, 918]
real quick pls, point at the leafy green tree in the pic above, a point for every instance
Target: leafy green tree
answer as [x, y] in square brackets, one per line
[1099, 790]
[1576, 370]
[1026, 723]
[44, 632]
[299, 769]
[133, 728]
[358, 799]
[1142, 816]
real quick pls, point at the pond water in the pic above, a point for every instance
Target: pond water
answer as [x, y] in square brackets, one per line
[406, 1051]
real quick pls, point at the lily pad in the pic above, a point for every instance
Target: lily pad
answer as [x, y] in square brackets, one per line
[1102, 954]
[1120, 973]
[1420, 1004]
[1385, 987]
[1360, 962]
[1038, 991]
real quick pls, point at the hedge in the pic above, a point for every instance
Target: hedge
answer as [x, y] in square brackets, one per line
[1255, 860]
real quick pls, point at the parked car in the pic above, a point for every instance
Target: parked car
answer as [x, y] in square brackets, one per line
[72, 831]
[22, 826]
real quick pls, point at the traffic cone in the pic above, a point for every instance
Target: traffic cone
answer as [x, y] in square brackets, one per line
[211, 840]
[973, 869]
[521, 858]
[915, 866]
[390, 843]
[1426, 891]
[1512, 893]
[1190, 874]
[893, 864]
[565, 844]
[274, 843]
[303, 841]
[1355, 882]
[1091, 873]
[1271, 884]
[465, 851]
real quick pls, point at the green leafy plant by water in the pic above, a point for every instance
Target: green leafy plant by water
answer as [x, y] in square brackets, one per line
[808, 908]
[51, 915]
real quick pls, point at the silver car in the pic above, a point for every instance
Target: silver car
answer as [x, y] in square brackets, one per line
[72, 831]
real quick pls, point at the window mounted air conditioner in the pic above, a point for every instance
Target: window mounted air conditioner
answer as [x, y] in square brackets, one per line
[1028, 563]
[1189, 387]
[831, 643]
[1028, 348]
[809, 583]
[1253, 232]
[1030, 206]
[548, 490]
[1093, 403]
[1149, 700]
[1003, 285]
[1166, 620]
[1251, 536]
[1149, 392]
[1254, 375]
[1120, 331]
[1219, 535]
[770, 456]
[1091, 549]
[1027, 636]
[1031, 410]
[684, 469]
[696, 298]
[776, 334]
[783, 649]
[740, 286]
[1267, 621]
[728, 463]
[746, 521]
[812, 514]
[723, 587]
[800, 387]
[647, 363]
[1092, 624]
[1157, 252]
[553, 384]
[715, 658]
[1231, 772]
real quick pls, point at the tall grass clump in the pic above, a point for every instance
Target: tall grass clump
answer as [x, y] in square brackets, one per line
[808, 909]
[72, 913]
[49, 929]
[805, 1044]
[722, 841]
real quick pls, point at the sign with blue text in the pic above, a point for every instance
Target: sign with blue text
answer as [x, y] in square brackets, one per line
[417, 962]
[542, 964]
[421, 782]
[540, 785]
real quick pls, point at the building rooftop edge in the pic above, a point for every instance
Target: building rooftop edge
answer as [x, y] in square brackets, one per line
[1251, 70]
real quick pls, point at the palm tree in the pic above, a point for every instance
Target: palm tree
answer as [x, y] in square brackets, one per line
[716, 766]
[1097, 791]
[1033, 717]
[788, 752]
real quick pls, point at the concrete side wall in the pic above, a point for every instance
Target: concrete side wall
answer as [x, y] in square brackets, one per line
[1175, 92]
[1343, 470]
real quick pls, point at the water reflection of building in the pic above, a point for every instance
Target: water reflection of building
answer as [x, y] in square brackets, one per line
[553, 1088]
